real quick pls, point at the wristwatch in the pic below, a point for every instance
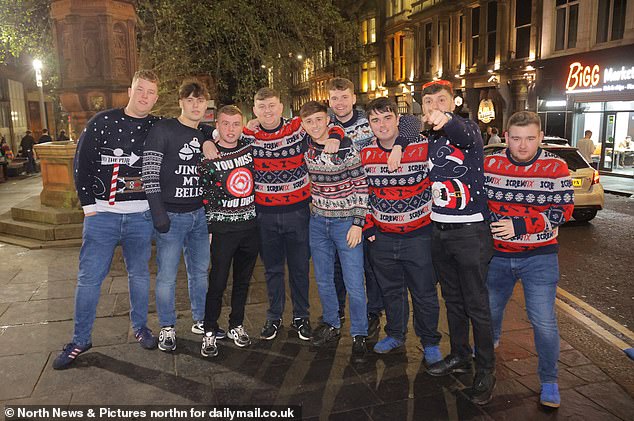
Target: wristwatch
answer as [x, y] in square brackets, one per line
[449, 115]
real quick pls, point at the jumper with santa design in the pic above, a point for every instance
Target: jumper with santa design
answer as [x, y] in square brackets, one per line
[456, 158]
[172, 184]
[108, 162]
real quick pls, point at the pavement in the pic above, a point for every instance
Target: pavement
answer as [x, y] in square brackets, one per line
[623, 186]
[36, 311]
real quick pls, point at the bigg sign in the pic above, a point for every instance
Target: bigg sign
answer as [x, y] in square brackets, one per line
[593, 78]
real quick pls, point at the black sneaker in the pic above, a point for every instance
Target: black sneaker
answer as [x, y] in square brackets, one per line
[481, 392]
[359, 349]
[325, 334]
[374, 323]
[302, 326]
[269, 331]
[450, 364]
[68, 355]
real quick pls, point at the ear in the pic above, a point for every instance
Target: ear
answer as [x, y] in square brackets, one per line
[129, 92]
[541, 137]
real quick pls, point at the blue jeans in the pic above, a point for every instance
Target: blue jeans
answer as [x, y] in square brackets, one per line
[539, 275]
[284, 238]
[188, 234]
[102, 233]
[328, 235]
[401, 263]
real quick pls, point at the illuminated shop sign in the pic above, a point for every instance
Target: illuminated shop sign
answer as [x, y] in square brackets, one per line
[594, 78]
[486, 111]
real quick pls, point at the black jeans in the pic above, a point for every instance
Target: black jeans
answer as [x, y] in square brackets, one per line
[375, 298]
[461, 260]
[284, 239]
[401, 263]
[241, 248]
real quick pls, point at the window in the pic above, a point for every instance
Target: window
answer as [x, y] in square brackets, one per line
[492, 15]
[611, 20]
[402, 57]
[567, 16]
[368, 31]
[364, 77]
[372, 75]
[475, 34]
[523, 10]
[428, 48]
[461, 56]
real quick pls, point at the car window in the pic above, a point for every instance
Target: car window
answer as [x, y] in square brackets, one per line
[492, 150]
[572, 157]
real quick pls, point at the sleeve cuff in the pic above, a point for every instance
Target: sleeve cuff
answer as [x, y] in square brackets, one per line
[358, 221]
[519, 226]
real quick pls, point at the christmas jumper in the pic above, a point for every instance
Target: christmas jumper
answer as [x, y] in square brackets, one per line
[281, 176]
[358, 129]
[228, 193]
[400, 201]
[537, 195]
[108, 163]
[457, 178]
[337, 182]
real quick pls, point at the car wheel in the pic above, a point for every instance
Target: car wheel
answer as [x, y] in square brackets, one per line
[584, 215]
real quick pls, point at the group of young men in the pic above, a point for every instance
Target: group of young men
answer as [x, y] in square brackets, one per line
[394, 211]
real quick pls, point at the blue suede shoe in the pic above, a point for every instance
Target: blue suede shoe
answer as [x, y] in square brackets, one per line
[550, 395]
[387, 344]
[432, 354]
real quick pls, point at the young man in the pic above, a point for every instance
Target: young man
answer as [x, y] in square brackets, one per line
[229, 199]
[26, 145]
[355, 125]
[45, 138]
[530, 195]
[586, 146]
[461, 242]
[398, 227]
[172, 152]
[282, 195]
[340, 203]
[108, 155]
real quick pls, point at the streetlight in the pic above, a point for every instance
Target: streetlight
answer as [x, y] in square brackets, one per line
[37, 65]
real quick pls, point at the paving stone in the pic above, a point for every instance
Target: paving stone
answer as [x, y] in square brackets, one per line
[566, 380]
[611, 397]
[510, 351]
[3, 308]
[51, 310]
[573, 358]
[590, 373]
[63, 289]
[355, 414]
[19, 374]
[60, 398]
[445, 406]
[524, 366]
[12, 293]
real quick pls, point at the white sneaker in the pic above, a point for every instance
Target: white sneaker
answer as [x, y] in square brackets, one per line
[198, 327]
[167, 339]
[240, 336]
[209, 347]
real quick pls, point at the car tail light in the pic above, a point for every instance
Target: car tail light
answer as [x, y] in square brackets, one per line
[595, 177]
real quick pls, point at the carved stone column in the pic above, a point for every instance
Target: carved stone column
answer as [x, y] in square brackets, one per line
[96, 49]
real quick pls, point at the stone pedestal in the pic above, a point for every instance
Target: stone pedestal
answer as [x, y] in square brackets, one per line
[58, 188]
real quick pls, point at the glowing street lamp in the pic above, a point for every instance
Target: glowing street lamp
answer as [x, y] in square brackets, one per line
[37, 65]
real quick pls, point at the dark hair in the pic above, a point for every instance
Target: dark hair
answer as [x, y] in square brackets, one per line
[44, 131]
[145, 74]
[340, 84]
[524, 118]
[587, 132]
[192, 87]
[494, 130]
[266, 93]
[312, 107]
[381, 105]
[435, 86]
[229, 110]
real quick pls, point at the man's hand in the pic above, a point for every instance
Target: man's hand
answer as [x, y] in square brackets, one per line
[332, 145]
[210, 150]
[372, 238]
[503, 229]
[437, 119]
[355, 234]
[253, 125]
[394, 160]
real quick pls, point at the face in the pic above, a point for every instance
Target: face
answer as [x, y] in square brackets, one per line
[143, 95]
[268, 112]
[384, 125]
[193, 108]
[316, 125]
[523, 141]
[229, 128]
[341, 102]
[441, 101]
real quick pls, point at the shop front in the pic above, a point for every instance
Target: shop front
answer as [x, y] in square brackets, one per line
[592, 92]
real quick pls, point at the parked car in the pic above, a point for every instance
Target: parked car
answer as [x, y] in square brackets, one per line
[555, 140]
[589, 195]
